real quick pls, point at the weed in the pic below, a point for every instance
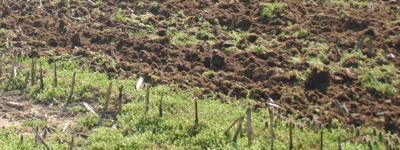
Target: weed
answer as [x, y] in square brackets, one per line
[270, 11]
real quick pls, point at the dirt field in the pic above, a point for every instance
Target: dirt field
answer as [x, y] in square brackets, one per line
[141, 38]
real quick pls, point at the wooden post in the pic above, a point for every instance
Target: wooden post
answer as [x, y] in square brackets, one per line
[33, 71]
[271, 127]
[41, 78]
[196, 114]
[21, 139]
[147, 100]
[290, 136]
[160, 107]
[121, 88]
[55, 82]
[249, 127]
[322, 140]
[71, 146]
[26, 79]
[71, 92]
[339, 143]
[108, 96]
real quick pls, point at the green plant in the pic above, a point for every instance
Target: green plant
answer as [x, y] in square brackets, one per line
[118, 15]
[270, 11]
[182, 38]
[89, 121]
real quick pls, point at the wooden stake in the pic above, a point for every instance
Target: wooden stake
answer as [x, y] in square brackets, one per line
[233, 123]
[271, 127]
[41, 78]
[239, 127]
[71, 92]
[26, 80]
[339, 143]
[290, 136]
[249, 127]
[160, 107]
[108, 96]
[33, 72]
[21, 139]
[55, 82]
[147, 100]
[38, 138]
[121, 88]
[322, 140]
[71, 146]
[196, 114]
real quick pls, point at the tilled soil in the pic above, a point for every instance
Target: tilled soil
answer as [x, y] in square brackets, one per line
[82, 30]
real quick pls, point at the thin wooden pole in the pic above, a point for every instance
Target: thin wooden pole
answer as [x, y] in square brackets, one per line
[108, 96]
[196, 114]
[72, 88]
[160, 107]
[121, 88]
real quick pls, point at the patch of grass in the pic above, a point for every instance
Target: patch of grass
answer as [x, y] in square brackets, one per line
[182, 38]
[256, 48]
[382, 79]
[270, 11]
[136, 129]
[11, 139]
[88, 121]
[33, 124]
[302, 33]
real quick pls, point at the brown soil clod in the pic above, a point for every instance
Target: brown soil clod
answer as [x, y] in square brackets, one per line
[76, 40]
[319, 79]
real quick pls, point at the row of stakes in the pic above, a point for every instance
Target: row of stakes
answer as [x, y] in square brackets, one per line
[238, 122]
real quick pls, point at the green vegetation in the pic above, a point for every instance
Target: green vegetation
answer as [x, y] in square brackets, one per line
[135, 129]
[270, 11]
[118, 15]
[182, 38]
[382, 79]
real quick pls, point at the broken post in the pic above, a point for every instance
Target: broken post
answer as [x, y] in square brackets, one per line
[237, 131]
[38, 138]
[249, 127]
[160, 108]
[71, 92]
[196, 114]
[233, 124]
[87, 106]
[120, 89]
[108, 96]
[55, 74]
